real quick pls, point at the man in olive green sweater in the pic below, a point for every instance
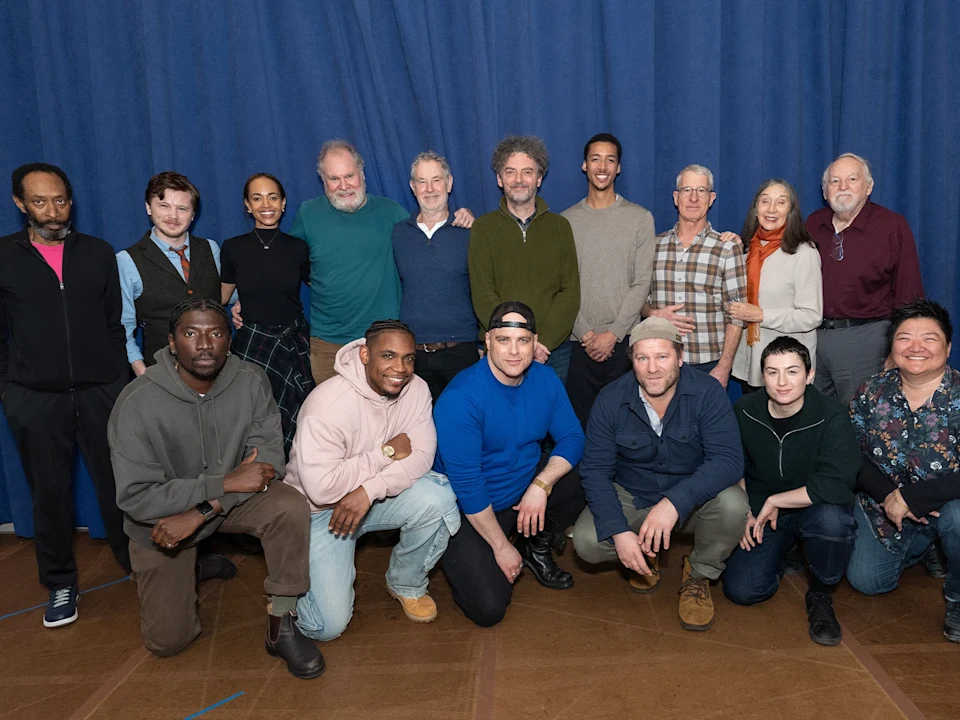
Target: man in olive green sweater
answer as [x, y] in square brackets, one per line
[801, 459]
[524, 252]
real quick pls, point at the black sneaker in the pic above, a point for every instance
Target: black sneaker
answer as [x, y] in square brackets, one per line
[951, 623]
[62, 607]
[214, 566]
[823, 626]
[934, 561]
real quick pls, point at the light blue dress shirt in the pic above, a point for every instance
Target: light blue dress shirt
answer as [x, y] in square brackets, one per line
[131, 286]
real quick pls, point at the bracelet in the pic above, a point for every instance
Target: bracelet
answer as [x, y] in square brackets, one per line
[543, 486]
[898, 498]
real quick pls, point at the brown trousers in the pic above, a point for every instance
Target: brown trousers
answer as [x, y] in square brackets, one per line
[167, 583]
[322, 356]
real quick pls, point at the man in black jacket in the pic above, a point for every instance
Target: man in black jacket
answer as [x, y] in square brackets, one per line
[800, 463]
[62, 365]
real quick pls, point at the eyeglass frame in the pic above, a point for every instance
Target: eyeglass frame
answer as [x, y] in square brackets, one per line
[687, 191]
[837, 246]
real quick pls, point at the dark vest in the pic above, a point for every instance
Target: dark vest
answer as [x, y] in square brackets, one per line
[164, 289]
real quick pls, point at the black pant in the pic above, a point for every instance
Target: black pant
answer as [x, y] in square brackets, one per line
[477, 583]
[587, 378]
[45, 425]
[439, 368]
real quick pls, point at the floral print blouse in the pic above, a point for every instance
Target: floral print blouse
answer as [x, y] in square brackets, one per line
[909, 446]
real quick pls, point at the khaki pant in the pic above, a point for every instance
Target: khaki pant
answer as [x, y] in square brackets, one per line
[322, 355]
[716, 526]
[167, 582]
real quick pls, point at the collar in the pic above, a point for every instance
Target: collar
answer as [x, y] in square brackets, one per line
[674, 238]
[541, 206]
[166, 247]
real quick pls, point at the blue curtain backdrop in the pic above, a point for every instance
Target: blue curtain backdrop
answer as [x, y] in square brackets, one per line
[116, 90]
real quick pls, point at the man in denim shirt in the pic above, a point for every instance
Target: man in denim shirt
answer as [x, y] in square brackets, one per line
[663, 453]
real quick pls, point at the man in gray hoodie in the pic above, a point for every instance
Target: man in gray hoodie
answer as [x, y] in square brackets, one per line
[195, 444]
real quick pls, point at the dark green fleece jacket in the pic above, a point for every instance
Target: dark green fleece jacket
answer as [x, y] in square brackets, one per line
[820, 451]
[171, 448]
[537, 267]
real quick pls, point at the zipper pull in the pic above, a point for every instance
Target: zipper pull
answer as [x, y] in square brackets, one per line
[61, 286]
[524, 235]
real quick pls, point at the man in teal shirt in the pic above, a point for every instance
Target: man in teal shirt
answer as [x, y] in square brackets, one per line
[353, 278]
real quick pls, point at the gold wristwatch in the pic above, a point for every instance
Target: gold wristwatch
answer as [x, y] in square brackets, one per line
[388, 451]
[543, 486]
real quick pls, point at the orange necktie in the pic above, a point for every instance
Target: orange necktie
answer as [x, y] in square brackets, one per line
[184, 263]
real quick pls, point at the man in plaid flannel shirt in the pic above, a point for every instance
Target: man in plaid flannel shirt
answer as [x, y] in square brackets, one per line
[697, 273]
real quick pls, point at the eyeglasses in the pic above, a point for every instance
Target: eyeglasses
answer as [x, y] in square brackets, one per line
[837, 252]
[687, 191]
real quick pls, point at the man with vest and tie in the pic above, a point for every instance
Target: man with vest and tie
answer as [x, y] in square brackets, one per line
[165, 267]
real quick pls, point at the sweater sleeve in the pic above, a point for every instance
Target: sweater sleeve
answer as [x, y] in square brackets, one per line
[144, 492]
[398, 475]
[459, 422]
[722, 464]
[598, 468]
[482, 282]
[807, 311]
[925, 497]
[629, 313]
[873, 481]
[838, 460]
[556, 327]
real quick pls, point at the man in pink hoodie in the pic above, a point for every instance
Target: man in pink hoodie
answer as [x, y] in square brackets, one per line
[362, 456]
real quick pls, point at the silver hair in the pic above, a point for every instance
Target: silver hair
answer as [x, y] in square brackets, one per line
[853, 156]
[337, 144]
[697, 170]
[429, 156]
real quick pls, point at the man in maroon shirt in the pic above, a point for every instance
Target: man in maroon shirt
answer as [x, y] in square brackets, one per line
[869, 263]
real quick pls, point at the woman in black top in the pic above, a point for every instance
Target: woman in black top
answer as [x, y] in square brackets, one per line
[266, 267]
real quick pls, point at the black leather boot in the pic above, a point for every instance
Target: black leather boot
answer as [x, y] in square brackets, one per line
[537, 554]
[214, 566]
[934, 561]
[284, 640]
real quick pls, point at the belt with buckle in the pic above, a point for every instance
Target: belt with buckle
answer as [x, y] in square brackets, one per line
[848, 323]
[433, 347]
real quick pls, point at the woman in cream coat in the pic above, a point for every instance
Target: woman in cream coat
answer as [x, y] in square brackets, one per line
[784, 284]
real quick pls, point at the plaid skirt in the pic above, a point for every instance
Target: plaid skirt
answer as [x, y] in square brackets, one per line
[284, 354]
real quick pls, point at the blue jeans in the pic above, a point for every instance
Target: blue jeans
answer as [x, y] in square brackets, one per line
[559, 360]
[874, 569]
[427, 516]
[828, 533]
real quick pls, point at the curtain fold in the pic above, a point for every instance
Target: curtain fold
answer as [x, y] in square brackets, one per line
[118, 90]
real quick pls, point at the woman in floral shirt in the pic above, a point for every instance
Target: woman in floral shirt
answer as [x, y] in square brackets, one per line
[907, 420]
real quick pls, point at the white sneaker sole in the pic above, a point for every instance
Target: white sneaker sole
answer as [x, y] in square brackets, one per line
[65, 621]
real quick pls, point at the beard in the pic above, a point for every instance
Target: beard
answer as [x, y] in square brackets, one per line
[520, 194]
[42, 229]
[204, 373]
[349, 204]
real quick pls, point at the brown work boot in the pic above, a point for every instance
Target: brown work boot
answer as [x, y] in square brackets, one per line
[646, 583]
[696, 605]
[420, 610]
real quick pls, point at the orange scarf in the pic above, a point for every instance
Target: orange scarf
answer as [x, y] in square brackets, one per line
[755, 257]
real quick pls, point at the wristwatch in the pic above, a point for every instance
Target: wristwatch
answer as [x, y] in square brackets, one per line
[543, 486]
[206, 509]
[388, 451]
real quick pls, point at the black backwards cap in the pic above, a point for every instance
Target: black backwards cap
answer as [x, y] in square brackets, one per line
[513, 306]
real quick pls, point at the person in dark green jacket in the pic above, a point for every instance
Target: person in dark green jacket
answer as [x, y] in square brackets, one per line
[522, 251]
[801, 459]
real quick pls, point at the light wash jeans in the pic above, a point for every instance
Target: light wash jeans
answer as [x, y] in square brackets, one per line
[427, 516]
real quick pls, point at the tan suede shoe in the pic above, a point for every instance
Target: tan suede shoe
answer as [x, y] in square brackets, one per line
[646, 583]
[696, 605]
[419, 610]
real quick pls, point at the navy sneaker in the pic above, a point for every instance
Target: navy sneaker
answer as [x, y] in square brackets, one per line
[62, 607]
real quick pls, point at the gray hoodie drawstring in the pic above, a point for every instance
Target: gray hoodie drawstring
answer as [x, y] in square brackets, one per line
[203, 450]
[216, 430]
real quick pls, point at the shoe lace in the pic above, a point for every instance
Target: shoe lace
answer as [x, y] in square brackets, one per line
[61, 597]
[696, 588]
[821, 608]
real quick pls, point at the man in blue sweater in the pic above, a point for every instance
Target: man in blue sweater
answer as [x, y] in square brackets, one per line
[431, 257]
[663, 453]
[490, 421]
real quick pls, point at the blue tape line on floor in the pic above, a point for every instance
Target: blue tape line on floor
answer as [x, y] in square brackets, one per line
[215, 705]
[82, 592]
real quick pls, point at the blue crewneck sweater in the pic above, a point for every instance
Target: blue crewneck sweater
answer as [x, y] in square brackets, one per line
[488, 433]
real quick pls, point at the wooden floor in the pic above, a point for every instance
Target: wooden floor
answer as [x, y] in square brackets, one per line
[597, 651]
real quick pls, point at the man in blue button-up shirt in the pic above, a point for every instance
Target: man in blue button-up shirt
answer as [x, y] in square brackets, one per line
[663, 453]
